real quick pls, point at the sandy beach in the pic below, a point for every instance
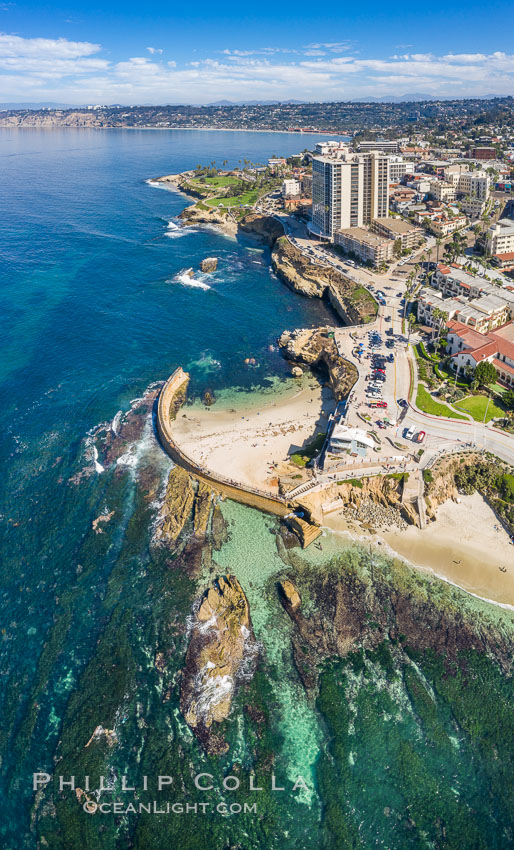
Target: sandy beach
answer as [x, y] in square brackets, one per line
[466, 545]
[252, 444]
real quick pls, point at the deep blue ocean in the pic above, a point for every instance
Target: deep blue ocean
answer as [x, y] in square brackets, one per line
[92, 314]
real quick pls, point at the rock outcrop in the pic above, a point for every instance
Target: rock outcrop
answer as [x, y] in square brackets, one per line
[210, 264]
[353, 303]
[265, 227]
[290, 596]
[185, 498]
[221, 644]
[201, 214]
[349, 609]
[317, 349]
[177, 506]
[375, 502]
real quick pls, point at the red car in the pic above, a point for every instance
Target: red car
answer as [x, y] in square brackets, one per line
[380, 370]
[420, 436]
[378, 404]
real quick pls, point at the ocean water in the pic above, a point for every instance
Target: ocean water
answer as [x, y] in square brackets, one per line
[95, 310]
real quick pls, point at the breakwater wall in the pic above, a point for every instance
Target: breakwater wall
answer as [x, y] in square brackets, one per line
[171, 398]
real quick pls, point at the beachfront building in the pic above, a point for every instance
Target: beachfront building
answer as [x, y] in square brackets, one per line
[346, 440]
[366, 246]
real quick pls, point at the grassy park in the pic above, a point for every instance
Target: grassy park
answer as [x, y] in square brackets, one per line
[476, 406]
[427, 404]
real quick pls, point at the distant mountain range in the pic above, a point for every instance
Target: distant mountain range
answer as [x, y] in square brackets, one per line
[253, 102]
[415, 97]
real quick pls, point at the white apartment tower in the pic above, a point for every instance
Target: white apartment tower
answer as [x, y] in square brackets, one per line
[348, 191]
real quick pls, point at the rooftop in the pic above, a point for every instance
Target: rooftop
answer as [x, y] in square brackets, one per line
[365, 236]
[397, 225]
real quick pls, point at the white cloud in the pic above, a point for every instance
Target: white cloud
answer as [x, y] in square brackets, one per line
[77, 72]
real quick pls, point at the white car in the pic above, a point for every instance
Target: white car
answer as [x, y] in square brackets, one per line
[409, 434]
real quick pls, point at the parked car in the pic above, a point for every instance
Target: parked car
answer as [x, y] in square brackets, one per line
[389, 332]
[420, 436]
[389, 343]
[408, 433]
[391, 358]
[377, 404]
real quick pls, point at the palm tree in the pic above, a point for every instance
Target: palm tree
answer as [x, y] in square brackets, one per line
[411, 321]
[438, 243]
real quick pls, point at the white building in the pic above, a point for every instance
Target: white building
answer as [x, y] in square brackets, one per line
[291, 188]
[473, 207]
[398, 168]
[500, 237]
[331, 148]
[381, 145]
[351, 440]
[348, 190]
[442, 191]
[475, 184]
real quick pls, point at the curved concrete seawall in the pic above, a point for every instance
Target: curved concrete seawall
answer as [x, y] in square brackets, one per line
[171, 398]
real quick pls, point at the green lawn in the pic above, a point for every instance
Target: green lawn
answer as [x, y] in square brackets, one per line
[476, 406]
[215, 182]
[427, 404]
[246, 198]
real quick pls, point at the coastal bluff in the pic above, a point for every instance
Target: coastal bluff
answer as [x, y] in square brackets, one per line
[353, 303]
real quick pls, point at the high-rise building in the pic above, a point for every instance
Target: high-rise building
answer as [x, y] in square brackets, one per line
[348, 191]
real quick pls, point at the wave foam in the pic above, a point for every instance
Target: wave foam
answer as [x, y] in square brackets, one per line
[186, 280]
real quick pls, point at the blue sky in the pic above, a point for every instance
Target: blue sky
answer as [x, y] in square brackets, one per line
[82, 53]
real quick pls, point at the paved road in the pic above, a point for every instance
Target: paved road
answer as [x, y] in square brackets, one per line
[441, 434]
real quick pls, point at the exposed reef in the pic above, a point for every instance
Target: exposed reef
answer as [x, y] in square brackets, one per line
[220, 648]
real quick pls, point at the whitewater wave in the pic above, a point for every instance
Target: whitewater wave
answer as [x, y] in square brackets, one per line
[91, 452]
[174, 230]
[186, 280]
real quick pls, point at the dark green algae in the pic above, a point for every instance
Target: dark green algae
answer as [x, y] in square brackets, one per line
[416, 747]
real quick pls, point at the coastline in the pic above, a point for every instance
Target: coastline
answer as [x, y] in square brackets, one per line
[258, 453]
[167, 129]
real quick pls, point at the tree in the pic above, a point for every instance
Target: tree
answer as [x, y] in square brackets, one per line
[397, 248]
[485, 373]
[508, 399]
[411, 321]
